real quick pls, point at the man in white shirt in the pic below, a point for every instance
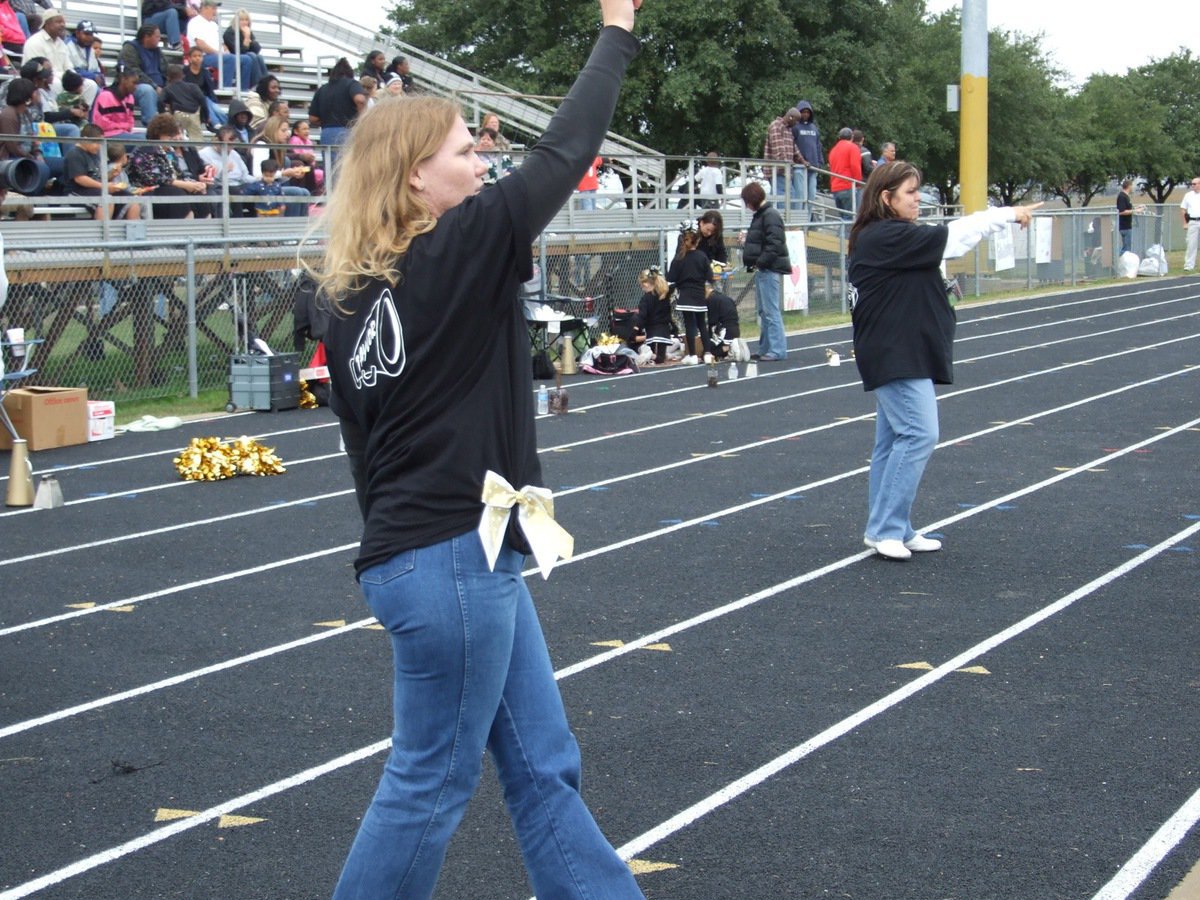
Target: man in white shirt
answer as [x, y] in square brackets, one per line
[1191, 223]
[710, 181]
[204, 32]
[48, 42]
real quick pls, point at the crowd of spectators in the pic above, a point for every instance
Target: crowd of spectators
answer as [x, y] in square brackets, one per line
[64, 106]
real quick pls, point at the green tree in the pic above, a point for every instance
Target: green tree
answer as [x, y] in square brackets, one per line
[1167, 91]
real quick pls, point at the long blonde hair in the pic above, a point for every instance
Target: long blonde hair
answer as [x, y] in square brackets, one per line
[373, 213]
[654, 277]
[270, 135]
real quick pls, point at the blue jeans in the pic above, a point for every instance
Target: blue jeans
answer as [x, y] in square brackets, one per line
[216, 118]
[332, 136]
[906, 431]
[772, 341]
[779, 180]
[804, 187]
[1127, 240]
[472, 671]
[587, 200]
[228, 61]
[167, 22]
[146, 98]
[844, 200]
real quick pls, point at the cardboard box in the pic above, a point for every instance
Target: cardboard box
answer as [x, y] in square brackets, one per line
[46, 417]
[102, 417]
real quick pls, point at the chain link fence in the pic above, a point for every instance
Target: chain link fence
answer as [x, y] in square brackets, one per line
[159, 319]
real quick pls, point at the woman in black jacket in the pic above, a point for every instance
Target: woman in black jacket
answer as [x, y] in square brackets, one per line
[765, 251]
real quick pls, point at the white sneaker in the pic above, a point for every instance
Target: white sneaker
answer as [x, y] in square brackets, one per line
[890, 548]
[690, 361]
[709, 359]
[918, 543]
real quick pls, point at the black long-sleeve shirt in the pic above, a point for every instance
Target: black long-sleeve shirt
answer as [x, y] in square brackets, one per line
[431, 376]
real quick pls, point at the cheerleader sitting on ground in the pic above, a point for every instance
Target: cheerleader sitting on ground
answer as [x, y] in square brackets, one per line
[653, 327]
[725, 335]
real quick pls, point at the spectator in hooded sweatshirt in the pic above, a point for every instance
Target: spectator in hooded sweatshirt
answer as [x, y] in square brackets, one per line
[808, 145]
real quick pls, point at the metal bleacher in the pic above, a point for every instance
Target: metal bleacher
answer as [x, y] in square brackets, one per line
[285, 29]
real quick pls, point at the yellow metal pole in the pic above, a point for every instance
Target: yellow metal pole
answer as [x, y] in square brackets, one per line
[973, 118]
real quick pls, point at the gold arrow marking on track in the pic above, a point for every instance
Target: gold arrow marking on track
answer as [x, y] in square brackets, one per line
[237, 821]
[80, 605]
[121, 609]
[662, 648]
[163, 814]
[645, 866]
[332, 623]
[925, 667]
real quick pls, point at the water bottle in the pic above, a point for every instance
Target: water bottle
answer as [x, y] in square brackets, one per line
[751, 369]
[733, 372]
[712, 375]
[543, 401]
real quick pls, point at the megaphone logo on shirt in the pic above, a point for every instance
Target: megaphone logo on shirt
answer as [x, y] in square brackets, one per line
[379, 349]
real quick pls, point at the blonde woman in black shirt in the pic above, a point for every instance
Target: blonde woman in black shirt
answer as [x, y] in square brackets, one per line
[429, 360]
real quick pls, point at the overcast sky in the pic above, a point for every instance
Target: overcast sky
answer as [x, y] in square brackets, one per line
[1088, 37]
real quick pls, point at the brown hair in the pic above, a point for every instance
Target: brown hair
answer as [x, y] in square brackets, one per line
[162, 127]
[887, 177]
[753, 195]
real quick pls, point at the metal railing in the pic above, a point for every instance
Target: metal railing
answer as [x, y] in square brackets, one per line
[133, 319]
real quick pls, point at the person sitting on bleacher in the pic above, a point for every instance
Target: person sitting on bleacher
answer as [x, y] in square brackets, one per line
[204, 32]
[81, 50]
[167, 17]
[276, 110]
[48, 42]
[16, 119]
[29, 12]
[266, 92]
[301, 153]
[279, 132]
[83, 171]
[242, 42]
[375, 66]
[12, 35]
[164, 171]
[70, 97]
[143, 55]
[113, 110]
[44, 108]
[185, 102]
[195, 72]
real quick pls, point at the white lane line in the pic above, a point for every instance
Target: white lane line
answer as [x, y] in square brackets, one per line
[166, 592]
[183, 677]
[752, 779]
[579, 443]
[660, 635]
[179, 526]
[231, 576]
[1154, 851]
[672, 825]
[776, 372]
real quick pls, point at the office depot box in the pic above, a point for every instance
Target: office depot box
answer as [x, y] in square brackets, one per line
[46, 417]
[102, 416]
[264, 382]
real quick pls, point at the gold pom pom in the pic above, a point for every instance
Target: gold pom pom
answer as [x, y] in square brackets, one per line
[307, 400]
[210, 459]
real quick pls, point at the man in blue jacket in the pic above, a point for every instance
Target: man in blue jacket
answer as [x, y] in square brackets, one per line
[808, 145]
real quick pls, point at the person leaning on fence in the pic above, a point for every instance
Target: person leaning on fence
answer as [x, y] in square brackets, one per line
[904, 338]
[83, 170]
[765, 252]
[653, 329]
[416, 355]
